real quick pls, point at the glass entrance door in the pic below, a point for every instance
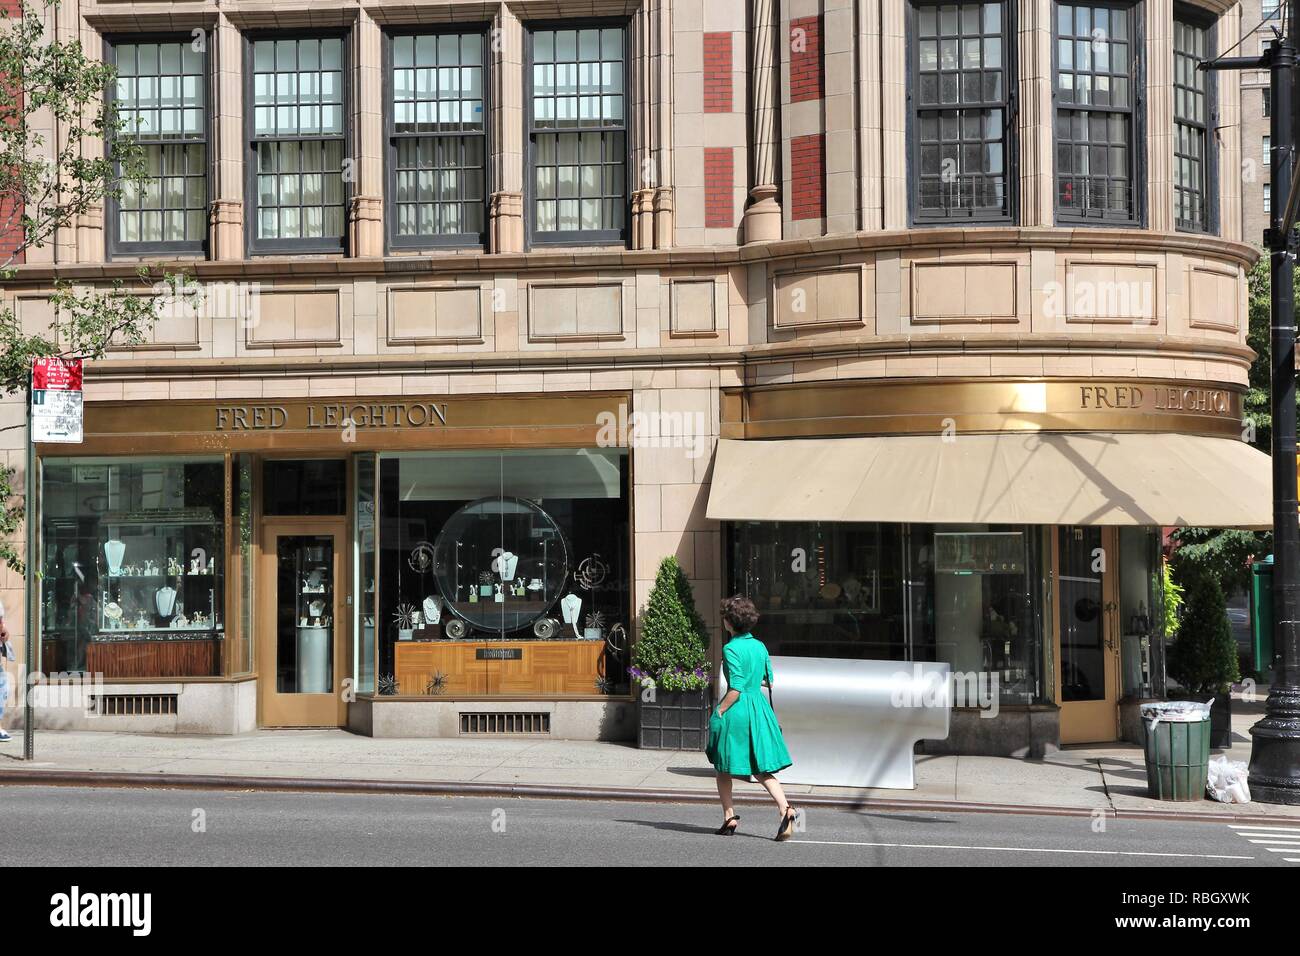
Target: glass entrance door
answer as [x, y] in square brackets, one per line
[1089, 673]
[302, 622]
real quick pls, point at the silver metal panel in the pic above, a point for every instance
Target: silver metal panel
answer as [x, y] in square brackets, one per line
[851, 723]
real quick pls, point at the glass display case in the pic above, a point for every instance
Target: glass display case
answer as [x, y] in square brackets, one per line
[500, 564]
[158, 576]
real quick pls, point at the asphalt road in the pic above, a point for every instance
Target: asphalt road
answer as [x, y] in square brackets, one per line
[67, 826]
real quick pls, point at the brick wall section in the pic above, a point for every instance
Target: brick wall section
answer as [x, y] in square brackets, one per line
[719, 187]
[805, 59]
[11, 207]
[718, 96]
[807, 177]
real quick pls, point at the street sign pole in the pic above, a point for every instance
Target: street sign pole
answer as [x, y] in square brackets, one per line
[29, 581]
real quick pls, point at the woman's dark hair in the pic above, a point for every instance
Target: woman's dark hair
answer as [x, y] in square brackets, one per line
[740, 613]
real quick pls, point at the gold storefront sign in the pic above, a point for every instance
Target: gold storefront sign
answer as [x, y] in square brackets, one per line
[339, 425]
[332, 415]
[973, 406]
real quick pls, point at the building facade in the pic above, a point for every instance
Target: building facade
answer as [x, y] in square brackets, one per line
[915, 321]
[1256, 161]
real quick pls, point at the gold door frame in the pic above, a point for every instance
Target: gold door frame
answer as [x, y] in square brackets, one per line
[1095, 721]
[300, 710]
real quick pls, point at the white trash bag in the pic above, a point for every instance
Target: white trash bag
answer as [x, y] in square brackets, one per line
[1226, 781]
[1176, 711]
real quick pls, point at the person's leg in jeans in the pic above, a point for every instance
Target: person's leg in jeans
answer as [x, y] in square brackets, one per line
[4, 698]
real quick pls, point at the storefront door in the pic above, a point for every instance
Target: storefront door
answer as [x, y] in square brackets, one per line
[301, 621]
[1088, 672]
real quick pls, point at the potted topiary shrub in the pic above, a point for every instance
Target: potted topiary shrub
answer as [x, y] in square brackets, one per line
[670, 662]
[1203, 658]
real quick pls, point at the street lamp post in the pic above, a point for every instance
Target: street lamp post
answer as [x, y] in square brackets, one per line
[1275, 748]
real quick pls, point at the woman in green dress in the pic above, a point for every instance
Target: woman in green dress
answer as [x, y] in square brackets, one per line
[744, 737]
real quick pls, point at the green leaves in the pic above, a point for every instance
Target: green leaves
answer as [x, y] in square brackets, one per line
[674, 642]
[56, 179]
[1203, 659]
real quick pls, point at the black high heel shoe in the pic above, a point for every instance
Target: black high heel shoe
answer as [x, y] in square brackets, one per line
[729, 827]
[786, 829]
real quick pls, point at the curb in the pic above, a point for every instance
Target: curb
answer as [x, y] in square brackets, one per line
[164, 781]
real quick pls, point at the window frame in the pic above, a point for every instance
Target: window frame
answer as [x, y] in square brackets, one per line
[462, 240]
[114, 247]
[270, 247]
[1202, 20]
[578, 237]
[1010, 107]
[1136, 10]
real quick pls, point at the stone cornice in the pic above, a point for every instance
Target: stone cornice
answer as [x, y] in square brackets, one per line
[738, 356]
[588, 260]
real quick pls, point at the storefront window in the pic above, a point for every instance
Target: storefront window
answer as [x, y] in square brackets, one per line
[503, 572]
[242, 510]
[133, 575]
[363, 567]
[1139, 596]
[967, 595]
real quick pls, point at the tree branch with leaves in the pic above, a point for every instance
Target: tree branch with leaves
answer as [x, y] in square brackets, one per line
[48, 180]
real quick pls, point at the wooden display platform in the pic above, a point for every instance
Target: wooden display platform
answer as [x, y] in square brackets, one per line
[181, 658]
[503, 667]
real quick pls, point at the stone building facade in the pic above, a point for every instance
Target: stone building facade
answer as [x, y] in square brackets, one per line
[864, 219]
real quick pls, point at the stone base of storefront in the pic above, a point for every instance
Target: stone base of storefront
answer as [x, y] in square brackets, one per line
[162, 708]
[1014, 732]
[609, 720]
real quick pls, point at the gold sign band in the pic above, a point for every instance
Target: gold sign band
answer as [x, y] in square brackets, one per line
[916, 408]
[326, 425]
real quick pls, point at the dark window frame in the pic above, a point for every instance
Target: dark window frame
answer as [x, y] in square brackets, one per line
[1010, 105]
[467, 240]
[1135, 9]
[577, 237]
[115, 247]
[264, 247]
[1202, 20]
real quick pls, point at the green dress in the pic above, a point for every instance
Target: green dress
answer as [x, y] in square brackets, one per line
[746, 740]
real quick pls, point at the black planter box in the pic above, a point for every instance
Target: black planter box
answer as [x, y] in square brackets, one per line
[674, 720]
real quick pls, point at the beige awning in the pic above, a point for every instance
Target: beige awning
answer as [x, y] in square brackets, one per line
[1021, 478]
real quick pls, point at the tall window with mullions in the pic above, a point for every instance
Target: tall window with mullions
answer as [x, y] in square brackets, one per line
[437, 142]
[1193, 125]
[161, 99]
[296, 143]
[577, 133]
[1097, 89]
[961, 97]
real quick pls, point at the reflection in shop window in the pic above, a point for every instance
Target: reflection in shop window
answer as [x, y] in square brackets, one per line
[966, 595]
[133, 575]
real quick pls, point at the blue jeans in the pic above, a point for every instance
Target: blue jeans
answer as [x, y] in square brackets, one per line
[4, 690]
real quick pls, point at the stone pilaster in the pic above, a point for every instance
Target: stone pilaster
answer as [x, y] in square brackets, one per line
[893, 115]
[763, 214]
[226, 208]
[506, 168]
[506, 215]
[1036, 128]
[1229, 133]
[365, 213]
[1159, 116]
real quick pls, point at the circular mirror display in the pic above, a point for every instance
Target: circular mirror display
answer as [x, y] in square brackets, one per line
[500, 563]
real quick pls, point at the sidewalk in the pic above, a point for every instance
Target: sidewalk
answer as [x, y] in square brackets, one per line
[1082, 780]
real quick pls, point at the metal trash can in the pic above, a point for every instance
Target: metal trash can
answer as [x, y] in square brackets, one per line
[1176, 739]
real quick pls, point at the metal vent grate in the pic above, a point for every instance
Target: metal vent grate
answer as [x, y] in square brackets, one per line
[507, 723]
[135, 705]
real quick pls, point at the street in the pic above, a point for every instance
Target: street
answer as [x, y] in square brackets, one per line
[67, 826]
